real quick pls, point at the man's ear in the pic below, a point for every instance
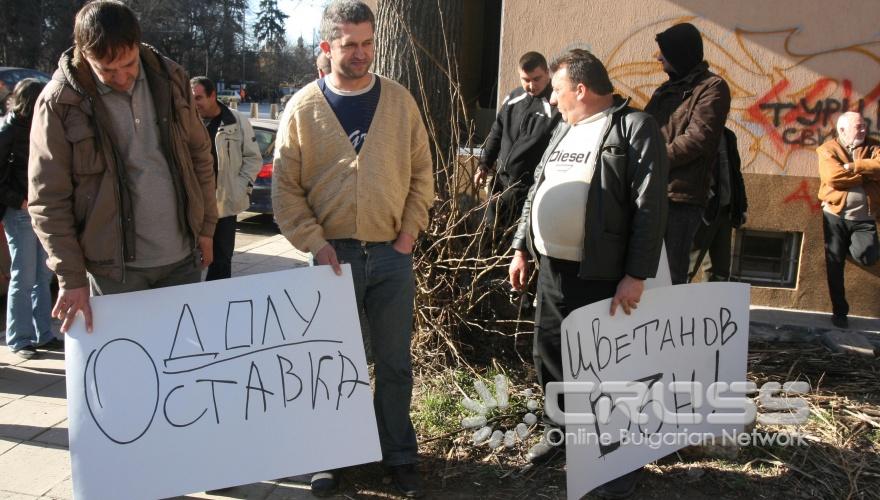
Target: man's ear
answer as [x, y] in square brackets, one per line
[325, 47]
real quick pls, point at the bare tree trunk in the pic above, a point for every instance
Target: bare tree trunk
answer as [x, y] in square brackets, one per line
[460, 294]
[418, 42]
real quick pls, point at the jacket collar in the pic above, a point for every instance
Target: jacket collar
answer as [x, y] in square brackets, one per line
[227, 117]
[546, 92]
[562, 128]
[77, 74]
[689, 80]
[619, 103]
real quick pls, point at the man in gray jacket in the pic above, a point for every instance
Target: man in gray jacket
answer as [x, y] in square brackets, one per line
[596, 213]
[237, 162]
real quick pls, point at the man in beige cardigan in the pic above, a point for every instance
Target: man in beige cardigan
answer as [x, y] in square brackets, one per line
[353, 184]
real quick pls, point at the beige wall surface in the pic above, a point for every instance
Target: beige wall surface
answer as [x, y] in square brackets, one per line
[789, 204]
[792, 65]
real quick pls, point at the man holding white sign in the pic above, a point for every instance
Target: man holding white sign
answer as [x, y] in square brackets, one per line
[596, 215]
[353, 184]
[121, 185]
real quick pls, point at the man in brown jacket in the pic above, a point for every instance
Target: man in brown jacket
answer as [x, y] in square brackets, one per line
[849, 173]
[121, 179]
[691, 109]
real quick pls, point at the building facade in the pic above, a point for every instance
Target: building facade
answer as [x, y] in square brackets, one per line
[792, 65]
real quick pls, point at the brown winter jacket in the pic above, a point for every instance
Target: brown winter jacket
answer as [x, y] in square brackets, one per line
[691, 112]
[78, 198]
[835, 181]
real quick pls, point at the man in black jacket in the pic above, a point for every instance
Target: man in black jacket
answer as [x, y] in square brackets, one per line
[515, 143]
[595, 214]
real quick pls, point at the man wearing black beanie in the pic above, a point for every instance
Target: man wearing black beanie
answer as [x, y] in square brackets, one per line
[691, 109]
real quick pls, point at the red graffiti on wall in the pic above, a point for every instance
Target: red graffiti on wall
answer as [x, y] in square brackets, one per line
[803, 193]
[809, 121]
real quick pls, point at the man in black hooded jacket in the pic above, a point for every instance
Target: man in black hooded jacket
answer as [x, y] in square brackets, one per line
[691, 109]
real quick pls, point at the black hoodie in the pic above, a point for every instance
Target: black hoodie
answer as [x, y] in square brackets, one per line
[682, 47]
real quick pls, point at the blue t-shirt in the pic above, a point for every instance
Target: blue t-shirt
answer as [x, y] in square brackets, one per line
[354, 110]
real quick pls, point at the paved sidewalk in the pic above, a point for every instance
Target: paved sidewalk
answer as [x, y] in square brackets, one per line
[34, 461]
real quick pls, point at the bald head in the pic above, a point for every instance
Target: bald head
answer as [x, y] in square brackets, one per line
[851, 129]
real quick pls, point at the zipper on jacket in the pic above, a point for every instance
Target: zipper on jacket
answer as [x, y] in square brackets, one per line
[119, 225]
[518, 129]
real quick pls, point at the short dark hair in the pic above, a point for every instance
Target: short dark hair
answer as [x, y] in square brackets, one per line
[205, 82]
[24, 97]
[344, 11]
[583, 67]
[105, 27]
[530, 61]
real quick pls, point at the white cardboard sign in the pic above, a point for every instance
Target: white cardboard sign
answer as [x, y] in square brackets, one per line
[683, 333]
[217, 384]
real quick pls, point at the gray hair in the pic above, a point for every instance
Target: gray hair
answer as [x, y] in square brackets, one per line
[846, 118]
[342, 12]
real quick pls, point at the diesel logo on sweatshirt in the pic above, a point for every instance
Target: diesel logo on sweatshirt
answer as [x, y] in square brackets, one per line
[562, 156]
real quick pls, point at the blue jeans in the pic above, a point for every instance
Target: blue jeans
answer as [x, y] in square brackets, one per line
[29, 303]
[385, 290]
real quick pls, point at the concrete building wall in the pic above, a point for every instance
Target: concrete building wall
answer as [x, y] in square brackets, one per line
[792, 66]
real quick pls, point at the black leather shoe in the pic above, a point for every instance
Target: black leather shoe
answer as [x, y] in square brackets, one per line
[220, 491]
[53, 345]
[407, 480]
[26, 352]
[840, 321]
[325, 484]
[544, 453]
[622, 487]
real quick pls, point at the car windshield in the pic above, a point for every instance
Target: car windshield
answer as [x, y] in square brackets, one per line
[12, 76]
[266, 142]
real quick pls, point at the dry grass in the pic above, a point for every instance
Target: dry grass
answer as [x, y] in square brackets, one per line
[838, 456]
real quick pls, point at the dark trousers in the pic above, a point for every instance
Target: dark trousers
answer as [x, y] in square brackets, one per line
[681, 227]
[560, 292]
[503, 212]
[224, 246]
[855, 238]
[713, 240]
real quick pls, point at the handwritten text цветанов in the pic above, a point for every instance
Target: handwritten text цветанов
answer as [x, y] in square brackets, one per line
[597, 350]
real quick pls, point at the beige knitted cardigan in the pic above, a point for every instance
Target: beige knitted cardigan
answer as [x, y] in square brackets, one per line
[322, 189]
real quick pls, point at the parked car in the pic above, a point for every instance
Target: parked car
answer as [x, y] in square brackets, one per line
[225, 96]
[10, 76]
[261, 196]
